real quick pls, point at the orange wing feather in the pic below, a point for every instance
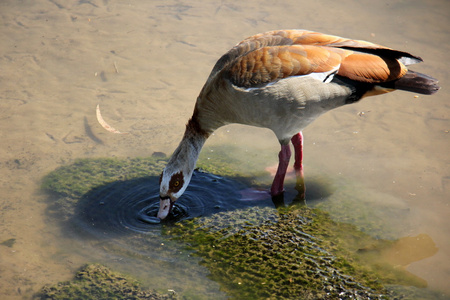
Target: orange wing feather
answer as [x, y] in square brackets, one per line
[274, 55]
[271, 63]
[371, 68]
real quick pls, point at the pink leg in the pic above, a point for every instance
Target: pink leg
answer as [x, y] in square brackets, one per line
[297, 141]
[284, 156]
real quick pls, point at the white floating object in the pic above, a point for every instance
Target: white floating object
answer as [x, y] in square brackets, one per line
[104, 124]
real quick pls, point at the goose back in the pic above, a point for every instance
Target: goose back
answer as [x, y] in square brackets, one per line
[285, 79]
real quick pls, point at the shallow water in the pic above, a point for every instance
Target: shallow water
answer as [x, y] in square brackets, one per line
[133, 205]
[145, 62]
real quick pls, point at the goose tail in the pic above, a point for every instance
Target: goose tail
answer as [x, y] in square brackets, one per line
[414, 82]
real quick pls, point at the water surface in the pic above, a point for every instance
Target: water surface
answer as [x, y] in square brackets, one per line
[146, 61]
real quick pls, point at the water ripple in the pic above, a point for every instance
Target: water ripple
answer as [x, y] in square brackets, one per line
[132, 205]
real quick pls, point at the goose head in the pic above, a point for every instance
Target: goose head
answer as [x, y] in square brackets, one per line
[177, 174]
[172, 185]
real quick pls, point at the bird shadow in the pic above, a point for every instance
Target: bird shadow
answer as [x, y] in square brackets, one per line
[127, 206]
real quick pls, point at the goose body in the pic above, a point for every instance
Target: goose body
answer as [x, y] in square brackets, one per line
[283, 80]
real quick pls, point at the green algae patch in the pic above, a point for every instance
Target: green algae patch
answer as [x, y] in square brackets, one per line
[298, 253]
[98, 282]
[71, 183]
[83, 175]
[363, 254]
[277, 259]
[254, 253]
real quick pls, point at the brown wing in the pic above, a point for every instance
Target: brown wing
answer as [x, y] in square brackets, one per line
[279, 54]
[267, 64]
[304, 37]
[371, 68]
[271, 63]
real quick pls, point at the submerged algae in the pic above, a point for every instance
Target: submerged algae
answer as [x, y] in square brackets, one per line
[294, 252]
[77, 179]
[278, 259]
[254, 252]
[83, 175]
[70, 183]
[98, 282]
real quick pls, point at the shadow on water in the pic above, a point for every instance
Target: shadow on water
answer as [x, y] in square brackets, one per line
[132, 205]
[123, 207]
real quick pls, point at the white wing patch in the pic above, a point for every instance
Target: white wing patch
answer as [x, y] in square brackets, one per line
[409, 60]
[325, 77]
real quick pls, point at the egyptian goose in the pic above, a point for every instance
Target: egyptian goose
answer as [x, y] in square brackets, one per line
[283, 80]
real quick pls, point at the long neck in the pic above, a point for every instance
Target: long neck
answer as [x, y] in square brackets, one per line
[186, 154]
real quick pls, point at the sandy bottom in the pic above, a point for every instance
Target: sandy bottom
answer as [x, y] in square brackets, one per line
[144, 62]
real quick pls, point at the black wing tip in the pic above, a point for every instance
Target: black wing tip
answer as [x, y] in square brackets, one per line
[416, 82]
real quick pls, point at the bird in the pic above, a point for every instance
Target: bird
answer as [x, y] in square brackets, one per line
[283, 80]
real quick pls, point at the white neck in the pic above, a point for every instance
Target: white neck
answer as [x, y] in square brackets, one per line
[185, 157]
[186, 154]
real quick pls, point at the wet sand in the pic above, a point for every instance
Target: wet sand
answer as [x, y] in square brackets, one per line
[145, 62]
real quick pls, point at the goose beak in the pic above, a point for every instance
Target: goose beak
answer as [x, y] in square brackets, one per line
[165, 206]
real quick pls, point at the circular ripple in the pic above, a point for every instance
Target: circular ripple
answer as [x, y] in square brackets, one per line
[132, 205]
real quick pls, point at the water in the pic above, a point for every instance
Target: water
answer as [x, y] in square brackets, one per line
[131, 206]
[125, 207]
[145, 63]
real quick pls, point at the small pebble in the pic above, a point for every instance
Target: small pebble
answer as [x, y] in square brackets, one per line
[159, 154]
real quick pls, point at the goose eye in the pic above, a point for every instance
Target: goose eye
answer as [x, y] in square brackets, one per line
[176, 182]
